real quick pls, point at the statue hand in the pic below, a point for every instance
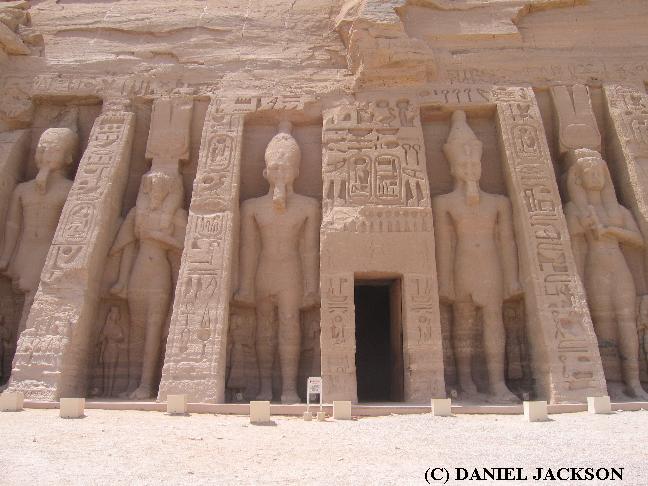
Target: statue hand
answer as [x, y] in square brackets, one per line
[311, 299]
[244, 297]
[4, 265]
[446, 293]
[513, 290]
[119, 290]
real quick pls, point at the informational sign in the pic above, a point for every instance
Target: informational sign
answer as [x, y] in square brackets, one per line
[313, 387]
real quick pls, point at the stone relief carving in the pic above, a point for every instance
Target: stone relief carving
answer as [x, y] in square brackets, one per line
[373, 155]
[34, 213]
[598, 226]
[150, 242]
[477, 261]
[279, 264]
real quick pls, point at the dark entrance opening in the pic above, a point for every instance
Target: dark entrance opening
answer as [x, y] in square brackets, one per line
[379, 341]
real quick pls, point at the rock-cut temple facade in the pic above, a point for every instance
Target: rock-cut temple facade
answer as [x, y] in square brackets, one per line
[412, 199]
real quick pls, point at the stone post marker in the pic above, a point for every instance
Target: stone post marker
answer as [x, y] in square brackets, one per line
[197, 342]
[51, 360]
[564, 349]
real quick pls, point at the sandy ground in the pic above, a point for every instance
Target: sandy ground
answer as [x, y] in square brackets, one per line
[131, 447]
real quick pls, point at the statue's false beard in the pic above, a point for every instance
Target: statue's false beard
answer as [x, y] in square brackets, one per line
[41, 179]
[472, 193]
[279, 197]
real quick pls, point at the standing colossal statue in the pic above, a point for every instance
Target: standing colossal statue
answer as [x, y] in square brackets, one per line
[476, 259]
[275, 274]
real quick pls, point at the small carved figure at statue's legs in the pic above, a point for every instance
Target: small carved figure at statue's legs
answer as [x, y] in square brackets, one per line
[266, 344]
[495, 351]
[606, 333]
[463, 333]
[629, 352]
[289, 344]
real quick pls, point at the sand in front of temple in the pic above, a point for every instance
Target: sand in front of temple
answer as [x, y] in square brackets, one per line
[134, 447]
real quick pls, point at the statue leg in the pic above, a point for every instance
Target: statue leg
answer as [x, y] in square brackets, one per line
[463, 342]
[605, 327]
[156, 315]
[136, 335]
[266, 343]
[495, 352]
[629, 353]
[289, 345]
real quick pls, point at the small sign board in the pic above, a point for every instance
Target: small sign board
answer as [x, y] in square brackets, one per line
[313, 387]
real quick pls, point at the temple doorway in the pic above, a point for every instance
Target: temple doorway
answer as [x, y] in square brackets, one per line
[379, 340]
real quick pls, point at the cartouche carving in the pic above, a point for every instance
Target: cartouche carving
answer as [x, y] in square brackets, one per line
[275, 274]
[476, 258]
[598, 225]
[34, 213]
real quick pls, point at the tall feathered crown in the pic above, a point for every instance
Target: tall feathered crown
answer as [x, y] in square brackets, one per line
[284, 142]
[461, 141]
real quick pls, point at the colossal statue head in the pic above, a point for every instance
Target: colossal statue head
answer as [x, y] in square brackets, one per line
[282, 158]
[589, 172]
[464, 151]
[56, 149]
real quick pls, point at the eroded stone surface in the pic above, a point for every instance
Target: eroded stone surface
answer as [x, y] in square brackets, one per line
[170, 265]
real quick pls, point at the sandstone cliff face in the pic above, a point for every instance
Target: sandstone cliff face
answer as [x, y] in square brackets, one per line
[179, 100]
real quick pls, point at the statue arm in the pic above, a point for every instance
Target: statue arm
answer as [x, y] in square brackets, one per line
[577, 236]
[12, 229]
[311, 255]
[630, 233]
[249, 255]
[444, 251]
[124, 244]
[508, 249]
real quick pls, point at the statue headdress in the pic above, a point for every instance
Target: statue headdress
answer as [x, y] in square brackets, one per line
[461, 140]
[283, 142]
[576, 192]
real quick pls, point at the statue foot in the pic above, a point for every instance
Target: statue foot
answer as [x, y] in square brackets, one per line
[290, 397]
[503, 395]
[264, 396]
[637, 392]
[143, 392]
[617, 391]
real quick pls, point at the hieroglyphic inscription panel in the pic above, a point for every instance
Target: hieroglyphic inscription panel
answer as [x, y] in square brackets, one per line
[195, 361]
[337, 337]
[628, 147]
[564, 347]
[53, 351]
[422, 350]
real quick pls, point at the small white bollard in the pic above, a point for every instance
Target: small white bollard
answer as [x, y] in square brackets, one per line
[71, 407]
[321, 416]
[599, 404]
[535, 411]
[259, 412]
[177, 404]
[441, 407]
[308, 416]
[341, 410]
[12, 402]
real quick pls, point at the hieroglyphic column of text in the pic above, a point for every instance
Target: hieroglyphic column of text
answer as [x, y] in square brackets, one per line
[51, 360]
[197, 343]
[628, 148]
[567, 364]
